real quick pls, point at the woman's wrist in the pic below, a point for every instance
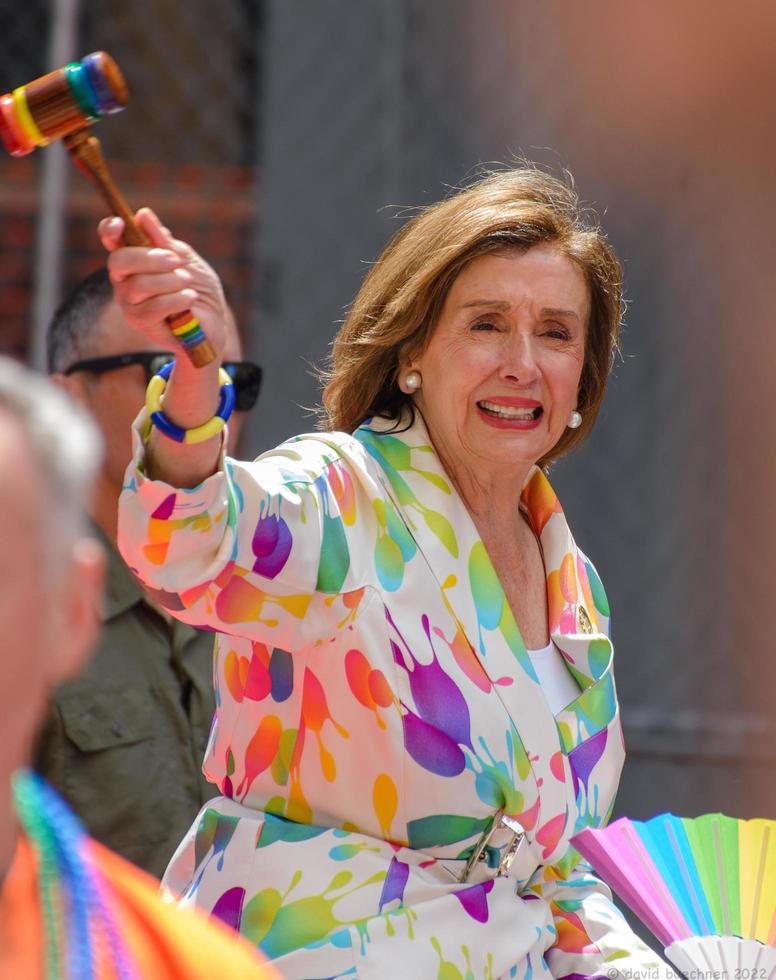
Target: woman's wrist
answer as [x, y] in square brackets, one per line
[192, 394]
[199, 433]
[191, 399]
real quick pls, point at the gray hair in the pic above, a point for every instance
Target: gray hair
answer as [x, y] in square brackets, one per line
[65, 445]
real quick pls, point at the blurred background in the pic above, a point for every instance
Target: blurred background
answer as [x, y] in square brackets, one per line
[285, 140]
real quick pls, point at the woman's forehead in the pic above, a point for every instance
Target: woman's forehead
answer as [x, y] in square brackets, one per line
[543, 274]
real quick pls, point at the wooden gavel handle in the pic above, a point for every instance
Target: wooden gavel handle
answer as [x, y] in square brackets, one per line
[85, 149]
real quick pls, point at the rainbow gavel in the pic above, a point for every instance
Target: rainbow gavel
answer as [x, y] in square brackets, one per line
[61, 105]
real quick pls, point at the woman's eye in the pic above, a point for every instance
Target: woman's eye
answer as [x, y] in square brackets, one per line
[558, 333]
[484, 325]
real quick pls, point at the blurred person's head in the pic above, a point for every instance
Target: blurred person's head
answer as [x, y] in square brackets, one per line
[50, 568]
[86, 340]
[402, 301]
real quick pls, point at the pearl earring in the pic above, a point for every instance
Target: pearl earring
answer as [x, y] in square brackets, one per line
[575, 420]
[413, 380]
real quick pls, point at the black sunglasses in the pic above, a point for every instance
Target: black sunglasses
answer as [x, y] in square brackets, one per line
[245, 375]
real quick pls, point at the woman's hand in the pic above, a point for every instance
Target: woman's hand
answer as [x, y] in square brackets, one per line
[150, 284]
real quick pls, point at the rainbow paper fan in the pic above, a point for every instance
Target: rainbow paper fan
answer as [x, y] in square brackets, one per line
[705, 887]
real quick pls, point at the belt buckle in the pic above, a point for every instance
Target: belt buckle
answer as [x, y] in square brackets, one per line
[500, 821]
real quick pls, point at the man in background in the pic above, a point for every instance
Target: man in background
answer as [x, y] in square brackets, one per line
[125, 740]
[68, 907]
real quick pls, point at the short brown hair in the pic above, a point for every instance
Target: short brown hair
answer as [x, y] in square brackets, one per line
[399, 303]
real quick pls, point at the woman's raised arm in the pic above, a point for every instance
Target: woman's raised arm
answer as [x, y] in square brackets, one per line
[150, 284]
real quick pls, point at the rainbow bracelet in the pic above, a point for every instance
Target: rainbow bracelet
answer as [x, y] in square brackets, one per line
[200, 433]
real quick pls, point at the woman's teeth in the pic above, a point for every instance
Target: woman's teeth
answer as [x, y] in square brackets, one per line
[508, 412]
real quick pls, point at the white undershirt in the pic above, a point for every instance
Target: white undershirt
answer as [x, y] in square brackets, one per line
[558, 686]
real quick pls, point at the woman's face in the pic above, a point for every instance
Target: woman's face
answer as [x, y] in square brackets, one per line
[501, 372]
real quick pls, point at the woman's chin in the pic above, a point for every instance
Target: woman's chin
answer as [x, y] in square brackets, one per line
[510, 451]
[513, 443]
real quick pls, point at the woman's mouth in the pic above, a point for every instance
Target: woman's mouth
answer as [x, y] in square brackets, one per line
[511, 413]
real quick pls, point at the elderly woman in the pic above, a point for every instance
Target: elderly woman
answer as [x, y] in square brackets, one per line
[416, 706]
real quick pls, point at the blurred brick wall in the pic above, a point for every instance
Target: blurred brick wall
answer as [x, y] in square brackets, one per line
[187, 144]
[18, 209]
[210, 206]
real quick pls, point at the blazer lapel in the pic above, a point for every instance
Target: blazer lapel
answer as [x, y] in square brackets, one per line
[588, 727]
[576, 611]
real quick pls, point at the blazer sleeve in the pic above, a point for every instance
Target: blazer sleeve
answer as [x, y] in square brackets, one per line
[593, 937]
[262, 549]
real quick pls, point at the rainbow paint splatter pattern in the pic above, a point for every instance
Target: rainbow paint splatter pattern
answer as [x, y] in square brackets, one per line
[359, 770]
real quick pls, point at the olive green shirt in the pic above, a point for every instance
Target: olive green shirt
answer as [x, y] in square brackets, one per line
[124, 741]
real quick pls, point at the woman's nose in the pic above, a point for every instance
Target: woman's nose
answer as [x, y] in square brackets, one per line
[519, 361]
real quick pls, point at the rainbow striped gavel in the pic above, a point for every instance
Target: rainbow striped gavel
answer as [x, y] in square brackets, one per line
[61, 105]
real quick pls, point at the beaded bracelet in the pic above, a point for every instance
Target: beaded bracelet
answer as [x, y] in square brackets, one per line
[200, 433]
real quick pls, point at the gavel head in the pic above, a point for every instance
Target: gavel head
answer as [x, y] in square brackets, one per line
[61, 103]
